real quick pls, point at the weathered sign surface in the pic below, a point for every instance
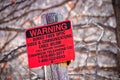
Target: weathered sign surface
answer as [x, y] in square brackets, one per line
[52, 43]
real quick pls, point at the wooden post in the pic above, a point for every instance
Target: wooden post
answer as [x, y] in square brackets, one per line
[54, 71]
[116, 6]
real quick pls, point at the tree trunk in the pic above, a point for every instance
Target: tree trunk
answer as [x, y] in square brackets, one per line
[116, 6]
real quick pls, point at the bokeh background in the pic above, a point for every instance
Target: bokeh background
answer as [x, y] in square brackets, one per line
[93, 31]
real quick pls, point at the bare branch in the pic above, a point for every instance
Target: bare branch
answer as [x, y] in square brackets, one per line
[19, 2]
[5, 58]
[72, 9]
[12, 29]
[8, 42]
[89, 75]
[15, 10]
[39, 9]
[79, 26]
[92, 16]
[111, 68]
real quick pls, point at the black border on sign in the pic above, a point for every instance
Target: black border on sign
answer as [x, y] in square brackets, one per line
[48, 25]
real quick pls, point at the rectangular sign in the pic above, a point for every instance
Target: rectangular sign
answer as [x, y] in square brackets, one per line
[50, 44]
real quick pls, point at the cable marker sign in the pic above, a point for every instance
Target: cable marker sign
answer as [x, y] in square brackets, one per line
[49, 44]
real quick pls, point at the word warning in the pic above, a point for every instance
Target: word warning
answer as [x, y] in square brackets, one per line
[50, 44]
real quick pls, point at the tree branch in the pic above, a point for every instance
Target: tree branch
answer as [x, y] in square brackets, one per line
[19, 2]
[5, 58]
[8, 42]
[17, 10]
[75, 4]
[39, 9]
[79, 26]
[11, 29]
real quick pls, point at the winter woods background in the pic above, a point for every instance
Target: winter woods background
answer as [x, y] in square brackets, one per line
[94, 37]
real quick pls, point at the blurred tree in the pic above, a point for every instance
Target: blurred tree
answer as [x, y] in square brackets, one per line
[93, 30]
[116, 6]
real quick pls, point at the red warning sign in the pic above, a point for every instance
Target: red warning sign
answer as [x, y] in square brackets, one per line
[50, 44]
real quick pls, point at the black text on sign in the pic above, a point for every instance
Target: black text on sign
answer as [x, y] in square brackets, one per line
[50, 44]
